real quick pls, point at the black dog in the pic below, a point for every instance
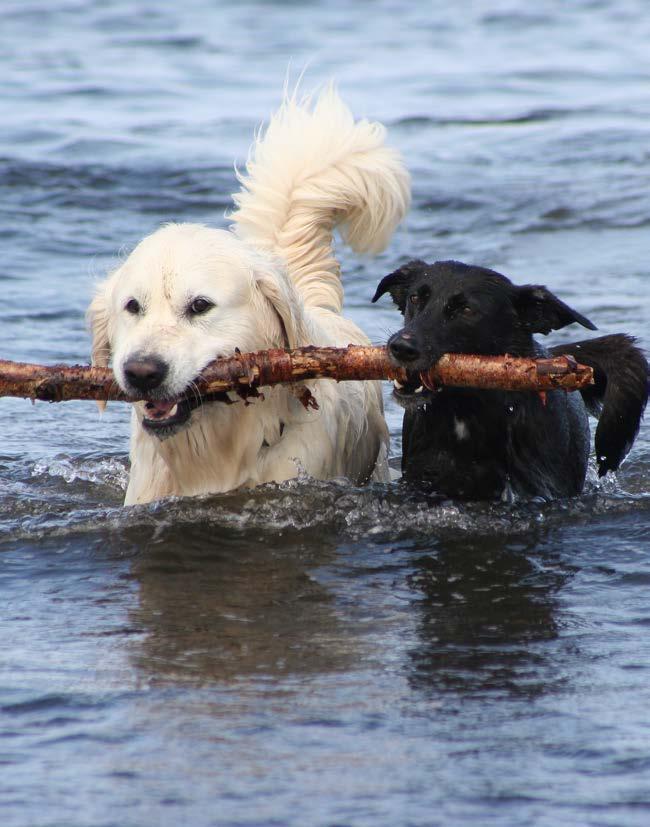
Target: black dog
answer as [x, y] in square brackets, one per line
[480, 444]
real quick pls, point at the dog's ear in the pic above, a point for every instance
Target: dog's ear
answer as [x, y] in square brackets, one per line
[287, 306]
[398, 282]
[97, 318]
[540, 311]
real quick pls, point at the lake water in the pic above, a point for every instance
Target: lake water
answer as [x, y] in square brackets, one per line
[314, 653]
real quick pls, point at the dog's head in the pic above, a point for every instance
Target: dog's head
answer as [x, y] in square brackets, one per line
[450, 307]
[186, 295]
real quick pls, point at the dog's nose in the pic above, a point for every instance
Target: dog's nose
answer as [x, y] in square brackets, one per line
[145, 374]
[402, 347]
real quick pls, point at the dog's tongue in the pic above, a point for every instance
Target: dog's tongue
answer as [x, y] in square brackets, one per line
[160, 410]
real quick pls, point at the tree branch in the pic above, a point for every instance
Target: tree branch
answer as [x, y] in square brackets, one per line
[245, 372]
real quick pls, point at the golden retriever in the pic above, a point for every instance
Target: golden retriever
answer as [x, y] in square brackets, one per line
[188, 294]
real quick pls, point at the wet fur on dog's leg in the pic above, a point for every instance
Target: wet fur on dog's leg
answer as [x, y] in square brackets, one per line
[618, 396]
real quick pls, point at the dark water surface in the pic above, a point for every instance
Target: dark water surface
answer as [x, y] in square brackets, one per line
[314, 653]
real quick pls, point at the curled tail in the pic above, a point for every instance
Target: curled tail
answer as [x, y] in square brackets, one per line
[619, 393]
[314, 169]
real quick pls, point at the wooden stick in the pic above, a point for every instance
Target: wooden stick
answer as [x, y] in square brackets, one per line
[245, 372]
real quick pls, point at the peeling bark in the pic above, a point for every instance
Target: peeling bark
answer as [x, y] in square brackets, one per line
[245, 372]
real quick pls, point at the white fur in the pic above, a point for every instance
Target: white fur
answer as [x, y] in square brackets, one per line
[274, 282]
[460, 429]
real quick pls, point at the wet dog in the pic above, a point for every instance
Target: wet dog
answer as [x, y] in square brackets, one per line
[480, 444]
[188, 294]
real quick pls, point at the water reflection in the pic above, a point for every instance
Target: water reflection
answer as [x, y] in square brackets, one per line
[487, 605]
[216, 605]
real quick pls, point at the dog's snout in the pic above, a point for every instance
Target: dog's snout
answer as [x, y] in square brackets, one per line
[145, 373]
[402, 347]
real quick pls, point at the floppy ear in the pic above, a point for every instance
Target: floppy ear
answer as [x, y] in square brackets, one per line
[288, 307]
[540, 311]
[398, 282]
[97, 318]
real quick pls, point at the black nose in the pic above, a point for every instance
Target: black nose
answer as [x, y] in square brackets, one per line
[403, 348]
[146, 373]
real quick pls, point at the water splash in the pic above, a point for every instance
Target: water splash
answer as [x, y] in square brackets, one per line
[111, 472]
[334, 509]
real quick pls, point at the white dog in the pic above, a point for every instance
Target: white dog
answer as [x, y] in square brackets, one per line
[188, 294]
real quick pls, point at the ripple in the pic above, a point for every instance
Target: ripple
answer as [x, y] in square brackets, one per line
[532, 116]
[378, 511]
[50, 702]
[100, 187]
[162, 41]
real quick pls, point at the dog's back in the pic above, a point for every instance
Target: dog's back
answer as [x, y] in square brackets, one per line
[486, 444]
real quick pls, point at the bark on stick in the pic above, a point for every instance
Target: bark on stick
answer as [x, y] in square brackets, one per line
[245, 372]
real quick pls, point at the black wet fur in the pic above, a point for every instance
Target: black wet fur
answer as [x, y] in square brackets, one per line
[478, 444]
[618, 396]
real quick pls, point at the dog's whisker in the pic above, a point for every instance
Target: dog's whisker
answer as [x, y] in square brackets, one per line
[113, 387]
[194, 388]
[381, 342]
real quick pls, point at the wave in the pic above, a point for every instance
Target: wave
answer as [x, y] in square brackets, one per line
[532, 116]
[29, 184]
[63, 508]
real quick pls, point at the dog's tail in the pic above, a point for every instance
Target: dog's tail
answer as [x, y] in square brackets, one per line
[619, 393]
[312, 170]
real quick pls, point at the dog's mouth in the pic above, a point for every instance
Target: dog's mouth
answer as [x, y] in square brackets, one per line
[165, 417]
[415, 390]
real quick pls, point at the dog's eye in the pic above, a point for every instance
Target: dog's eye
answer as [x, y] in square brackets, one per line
[133, 307]
[199, 305]
[414, 299]
[458, 306]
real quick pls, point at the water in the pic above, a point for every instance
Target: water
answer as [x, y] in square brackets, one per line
[314, 653]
